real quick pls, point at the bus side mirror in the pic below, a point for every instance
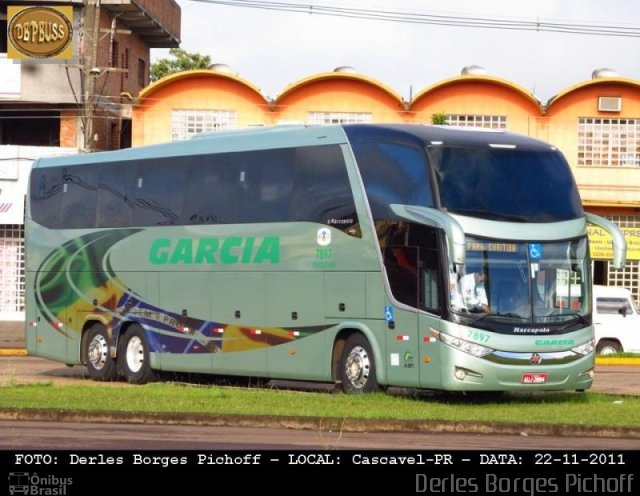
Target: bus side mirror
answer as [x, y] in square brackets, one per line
[617, 238]
[623, 311]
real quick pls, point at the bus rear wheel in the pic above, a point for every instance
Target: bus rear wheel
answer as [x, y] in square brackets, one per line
[100, 365]
[357, 366]
[133, 356]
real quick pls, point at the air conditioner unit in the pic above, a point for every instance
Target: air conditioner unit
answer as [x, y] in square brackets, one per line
[609, 103]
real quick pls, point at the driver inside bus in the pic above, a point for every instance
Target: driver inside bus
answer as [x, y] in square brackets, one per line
[474, 292]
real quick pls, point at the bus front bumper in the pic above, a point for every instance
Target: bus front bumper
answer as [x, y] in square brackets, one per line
[536, 371]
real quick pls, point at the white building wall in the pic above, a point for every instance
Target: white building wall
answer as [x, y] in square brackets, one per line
[15, 167]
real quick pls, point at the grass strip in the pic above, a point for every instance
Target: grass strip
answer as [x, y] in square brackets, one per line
[589, 408]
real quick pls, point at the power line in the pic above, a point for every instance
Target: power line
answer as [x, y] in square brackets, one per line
[416, 17]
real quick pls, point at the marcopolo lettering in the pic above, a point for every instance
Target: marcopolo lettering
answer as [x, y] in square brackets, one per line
[226, 251]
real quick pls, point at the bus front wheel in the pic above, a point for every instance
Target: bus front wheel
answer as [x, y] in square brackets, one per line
[357, 366]
[133, 356]
[100, 365]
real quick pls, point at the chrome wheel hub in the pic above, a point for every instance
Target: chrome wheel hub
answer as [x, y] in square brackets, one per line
[98, 352]
[357, 367]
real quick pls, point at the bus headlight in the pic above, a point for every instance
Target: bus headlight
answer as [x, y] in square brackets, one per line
[585, 349]
[466, 346]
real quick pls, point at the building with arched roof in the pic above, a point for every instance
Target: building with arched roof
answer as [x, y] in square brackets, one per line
[186, 103]
[338, 97]
[596, 124]
[477, 99]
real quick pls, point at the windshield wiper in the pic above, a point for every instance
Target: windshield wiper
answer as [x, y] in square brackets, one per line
[489, 214]
[570, 315]
[509, 315]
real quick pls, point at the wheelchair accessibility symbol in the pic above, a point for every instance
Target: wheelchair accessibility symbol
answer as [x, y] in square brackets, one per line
[535, 251]
[388, 313]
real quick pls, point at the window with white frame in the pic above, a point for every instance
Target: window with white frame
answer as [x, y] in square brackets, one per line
[186, 123]
[327, 118]
[629, 277]
[608, 142]
[475, 120]
[11, 268]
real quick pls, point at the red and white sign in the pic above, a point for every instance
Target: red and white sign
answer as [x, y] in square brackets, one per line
[534, 378]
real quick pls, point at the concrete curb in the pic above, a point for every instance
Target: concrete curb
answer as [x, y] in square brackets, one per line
[12, 352]
[617, 361]
[320, 423]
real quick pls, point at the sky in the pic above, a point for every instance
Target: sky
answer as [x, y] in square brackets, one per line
[273, 49]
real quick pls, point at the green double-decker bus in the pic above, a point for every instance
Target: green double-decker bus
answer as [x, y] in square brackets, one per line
[363, 255]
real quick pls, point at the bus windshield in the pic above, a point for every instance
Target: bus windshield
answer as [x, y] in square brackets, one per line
[517, 283]
[540, 185]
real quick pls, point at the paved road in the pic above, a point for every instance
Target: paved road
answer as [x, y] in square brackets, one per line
[99, 436]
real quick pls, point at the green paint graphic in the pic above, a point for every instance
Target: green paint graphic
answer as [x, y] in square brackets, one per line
[75, 268]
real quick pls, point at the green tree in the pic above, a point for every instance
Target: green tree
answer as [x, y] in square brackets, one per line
[439, 118]
[179, 60]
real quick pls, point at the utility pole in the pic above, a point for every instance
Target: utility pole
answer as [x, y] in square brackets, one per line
[89, 69]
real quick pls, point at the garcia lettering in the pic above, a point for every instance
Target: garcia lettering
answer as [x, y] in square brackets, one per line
[226, 251]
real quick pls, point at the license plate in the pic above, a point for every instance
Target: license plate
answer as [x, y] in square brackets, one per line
[537, 378]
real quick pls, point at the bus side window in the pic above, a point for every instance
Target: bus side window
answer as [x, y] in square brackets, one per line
[412, 263]
[401, 263]
[116, 195]
[264, 185]
[211, 189]
[430, 276]
[159, 193]
[427, 239]
[322, 192]
[78, 202]
[393, 173]
[46, 193]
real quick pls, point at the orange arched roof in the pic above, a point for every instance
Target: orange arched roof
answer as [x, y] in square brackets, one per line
[171, 78]
[594, 82]
[479, 77]
[323, 76]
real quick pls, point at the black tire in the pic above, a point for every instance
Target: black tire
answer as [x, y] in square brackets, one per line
[357, 366]
[133, 356]
[100, 365]
[608, 347]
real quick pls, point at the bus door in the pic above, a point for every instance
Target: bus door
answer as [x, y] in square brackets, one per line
[430, 301]
[402, 268]
[428, 359]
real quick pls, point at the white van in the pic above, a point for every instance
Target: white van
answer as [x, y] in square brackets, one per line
[616, 321]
